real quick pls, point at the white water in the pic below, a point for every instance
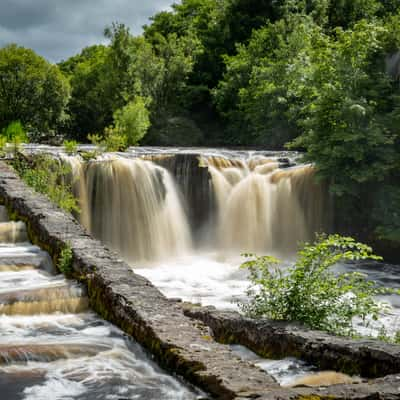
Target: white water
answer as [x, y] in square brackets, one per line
[53, 348]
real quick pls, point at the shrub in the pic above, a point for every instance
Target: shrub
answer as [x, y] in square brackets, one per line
[64, 263]
[132, 121]
[309, 292]
[112, 140]
[14, 134]
[70, 146]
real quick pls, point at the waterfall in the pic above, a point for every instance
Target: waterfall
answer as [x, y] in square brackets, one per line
[263, 208]
[13, 232]
[133, 206]
[151, 208]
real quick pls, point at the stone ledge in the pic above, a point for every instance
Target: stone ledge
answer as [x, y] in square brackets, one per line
[179, 343]
[272, 339]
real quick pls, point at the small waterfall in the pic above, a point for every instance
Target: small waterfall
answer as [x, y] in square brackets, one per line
[78, 183]
[263, 208]
[133, 206]
[13, 232]
[39, 299]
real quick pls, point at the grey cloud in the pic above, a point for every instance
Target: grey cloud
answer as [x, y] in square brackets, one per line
[57, 29]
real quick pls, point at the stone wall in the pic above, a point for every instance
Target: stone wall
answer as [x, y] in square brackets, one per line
[179, 343]
[275, 339]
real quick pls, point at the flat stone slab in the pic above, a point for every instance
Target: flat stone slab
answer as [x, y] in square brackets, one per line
[179, 343]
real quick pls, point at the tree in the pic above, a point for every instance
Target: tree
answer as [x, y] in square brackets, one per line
[132, 121]
[31, 90]
[256, 95]
[91, 103]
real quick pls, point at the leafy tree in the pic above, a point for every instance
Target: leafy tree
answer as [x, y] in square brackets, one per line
[309, 292]
[348, 110]
[91, 102]
[257, 95]
[132, 121]
[31, 90]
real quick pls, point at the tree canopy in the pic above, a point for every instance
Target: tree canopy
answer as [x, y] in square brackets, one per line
[31, 90]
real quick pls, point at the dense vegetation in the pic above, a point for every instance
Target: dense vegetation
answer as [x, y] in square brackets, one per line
[48, 176]
[321, 75]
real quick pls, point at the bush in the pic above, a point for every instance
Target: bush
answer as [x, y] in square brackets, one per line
[13, 134]
[132, 121]
[112, 140]
[309, 292]
[48, 176]
[70, 146]
[64, 263]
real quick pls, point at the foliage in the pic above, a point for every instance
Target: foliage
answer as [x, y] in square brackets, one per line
[64, 262]
[32, 90]
[113, 140]
[348, 109]
[50, 177]
[12, 136]
[70, 146]
[309, 292]
[132, 121]
[15, 132]
[92, 95]
[258, 95]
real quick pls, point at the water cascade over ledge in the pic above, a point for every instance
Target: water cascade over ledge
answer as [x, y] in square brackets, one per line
[133, 206]
[153, 207]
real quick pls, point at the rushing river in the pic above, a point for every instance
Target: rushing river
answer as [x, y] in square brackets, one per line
[53, 348]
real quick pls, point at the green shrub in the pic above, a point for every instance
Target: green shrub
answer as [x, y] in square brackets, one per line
[70, 146]
[48, 176]
[64, 262]
[89, 155]
[13, 136]
[132, 121]
[112, 140]
[15, 132]
[309, 292]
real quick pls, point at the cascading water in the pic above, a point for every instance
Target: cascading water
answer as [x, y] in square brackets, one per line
[133, 206]
[261, 208]
[151, 208]
[53, 348]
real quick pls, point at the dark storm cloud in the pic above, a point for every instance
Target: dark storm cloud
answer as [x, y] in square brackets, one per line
[57, 29]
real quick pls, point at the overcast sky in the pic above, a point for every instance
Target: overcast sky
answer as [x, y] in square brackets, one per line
[58, 29]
